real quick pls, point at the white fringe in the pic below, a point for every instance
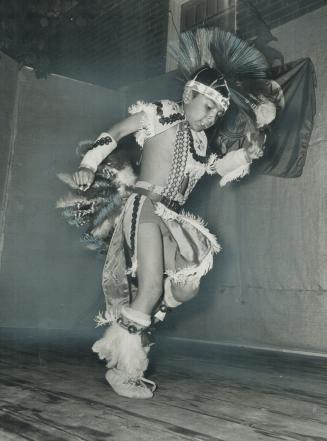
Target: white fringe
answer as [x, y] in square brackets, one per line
[122, 350]
[191, 274]
[185, 217]
[210, 167]
[146, 131]
[103, 319]
[234, 175]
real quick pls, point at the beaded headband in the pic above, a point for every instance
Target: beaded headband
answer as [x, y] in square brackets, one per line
[209, 92]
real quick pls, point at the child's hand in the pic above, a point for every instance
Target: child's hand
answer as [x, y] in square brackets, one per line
[254, 147]
[84, 178]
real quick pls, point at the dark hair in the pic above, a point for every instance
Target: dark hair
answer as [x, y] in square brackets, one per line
[213, 78]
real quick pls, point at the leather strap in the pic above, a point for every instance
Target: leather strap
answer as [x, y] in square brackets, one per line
[156, 197]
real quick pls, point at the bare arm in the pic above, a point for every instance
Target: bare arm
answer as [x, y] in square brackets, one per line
[104, 145]
[127, 126]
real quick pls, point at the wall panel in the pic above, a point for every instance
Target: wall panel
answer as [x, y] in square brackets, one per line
[269, 283]
[47, 278]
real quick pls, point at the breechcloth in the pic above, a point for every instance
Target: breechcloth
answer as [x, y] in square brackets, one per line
[184, 237]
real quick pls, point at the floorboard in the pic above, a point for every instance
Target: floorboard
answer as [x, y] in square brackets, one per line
[53, 389]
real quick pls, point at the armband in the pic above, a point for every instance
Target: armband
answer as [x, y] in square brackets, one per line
[101, 148]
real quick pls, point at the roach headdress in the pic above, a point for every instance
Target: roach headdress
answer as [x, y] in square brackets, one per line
[233, 74]
[221, 66]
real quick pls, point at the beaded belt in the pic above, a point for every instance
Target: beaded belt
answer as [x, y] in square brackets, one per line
[156, 197]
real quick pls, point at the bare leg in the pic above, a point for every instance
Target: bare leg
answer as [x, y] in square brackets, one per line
[150, 267]
[123, 345]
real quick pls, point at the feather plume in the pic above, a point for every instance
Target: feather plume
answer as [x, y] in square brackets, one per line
[70, 200]
[233, 57]
[67, 178]
[125, 176]
[102, 230]
[108, 208]
[97, 208]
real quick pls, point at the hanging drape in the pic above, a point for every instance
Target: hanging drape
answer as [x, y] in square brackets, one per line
[288, 141]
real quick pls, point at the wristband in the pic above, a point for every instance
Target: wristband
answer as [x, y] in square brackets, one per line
[86, 168]
[101, 148]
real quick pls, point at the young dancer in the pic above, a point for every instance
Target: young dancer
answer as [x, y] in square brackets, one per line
[158, 253]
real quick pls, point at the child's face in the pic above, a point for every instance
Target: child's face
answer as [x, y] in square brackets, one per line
[201, 112]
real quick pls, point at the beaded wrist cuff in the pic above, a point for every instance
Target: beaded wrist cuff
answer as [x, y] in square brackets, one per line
[102, 141]
[100, 149]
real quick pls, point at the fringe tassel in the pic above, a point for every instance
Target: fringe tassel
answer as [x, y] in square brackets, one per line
[234, 175]
[185, 217]
[146, 131]
[193, 273]
[103, 319]
[210, 167]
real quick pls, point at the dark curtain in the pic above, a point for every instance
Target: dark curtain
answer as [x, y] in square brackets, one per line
[288, 140]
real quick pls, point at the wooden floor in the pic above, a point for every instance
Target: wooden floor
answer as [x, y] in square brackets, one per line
[53, 389]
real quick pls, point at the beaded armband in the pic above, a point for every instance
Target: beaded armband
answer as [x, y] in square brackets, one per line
[102, 141]
[101, 148]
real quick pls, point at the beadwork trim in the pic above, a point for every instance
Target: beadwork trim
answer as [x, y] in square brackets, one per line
[184, 145]
[136, 205]
[195, 155]
[177, 171]
[102, 141]
[132, 327]
[211, 93]
[173, 117]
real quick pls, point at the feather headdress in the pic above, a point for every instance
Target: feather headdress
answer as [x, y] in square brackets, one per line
[233, 57]
[237, 65]
[240, 73]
